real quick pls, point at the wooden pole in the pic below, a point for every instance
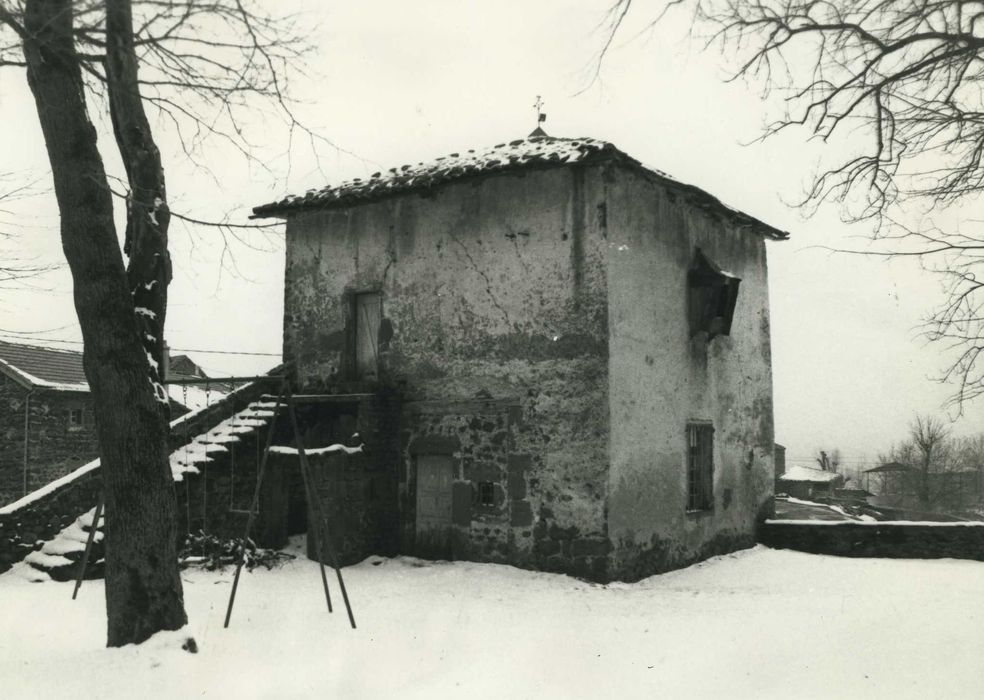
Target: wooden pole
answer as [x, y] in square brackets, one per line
[314, 512]
[321, 525]
[90, 540]
[255, 505]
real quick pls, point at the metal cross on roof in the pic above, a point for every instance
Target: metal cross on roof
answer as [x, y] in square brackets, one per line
[541, 116]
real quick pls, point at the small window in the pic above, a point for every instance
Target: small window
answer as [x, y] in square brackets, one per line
[700, 466]
[712, 296]
[486, 493]
[75, 417]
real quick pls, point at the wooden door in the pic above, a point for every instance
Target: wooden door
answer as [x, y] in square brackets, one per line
[368, 314]
[434, 481]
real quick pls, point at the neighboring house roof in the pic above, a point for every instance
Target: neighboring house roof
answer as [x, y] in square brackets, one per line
[61, 370]
[184, 367]
[523, 154]
[807, 474]
[43, 368]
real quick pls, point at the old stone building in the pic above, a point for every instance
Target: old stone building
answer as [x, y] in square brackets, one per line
[556, 357]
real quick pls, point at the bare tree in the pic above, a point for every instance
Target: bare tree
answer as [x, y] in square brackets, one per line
[902, 78]
[193, 64]
[16, 267]
[929, 435]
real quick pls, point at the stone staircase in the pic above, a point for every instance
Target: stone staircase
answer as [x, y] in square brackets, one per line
[43, 524]
[61, 557]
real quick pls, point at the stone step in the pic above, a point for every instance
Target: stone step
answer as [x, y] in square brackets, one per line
[61, 557]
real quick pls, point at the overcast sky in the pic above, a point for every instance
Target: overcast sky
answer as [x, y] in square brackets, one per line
[396, 82]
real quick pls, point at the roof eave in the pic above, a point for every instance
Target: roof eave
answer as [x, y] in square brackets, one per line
[283, 210]
[14, 374]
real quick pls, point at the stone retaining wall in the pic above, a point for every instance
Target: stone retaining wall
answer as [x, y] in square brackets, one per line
[894, 540]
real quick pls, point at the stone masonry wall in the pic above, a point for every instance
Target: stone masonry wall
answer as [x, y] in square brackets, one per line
[884, 539]
[54, 448]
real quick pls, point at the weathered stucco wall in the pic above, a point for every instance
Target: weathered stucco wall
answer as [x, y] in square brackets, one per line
[662, 378]
[492, 288]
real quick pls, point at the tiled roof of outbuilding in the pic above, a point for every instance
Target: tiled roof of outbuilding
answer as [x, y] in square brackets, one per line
[43, 367]
[522, 154]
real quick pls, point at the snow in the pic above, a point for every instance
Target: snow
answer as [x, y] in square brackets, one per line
[186, 459]
[877, 523]
[807, 474]
[282, 450]
[756, 624]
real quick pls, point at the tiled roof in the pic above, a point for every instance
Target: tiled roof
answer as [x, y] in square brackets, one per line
[43, 367]
[522, 154]
[61, 370]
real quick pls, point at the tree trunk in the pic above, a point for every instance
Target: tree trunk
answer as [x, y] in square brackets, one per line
[148, 217]
[143, 589]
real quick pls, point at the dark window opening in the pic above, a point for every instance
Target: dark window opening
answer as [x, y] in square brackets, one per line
[700, 466]
[75, 418]
[486, 493]
[712, 296]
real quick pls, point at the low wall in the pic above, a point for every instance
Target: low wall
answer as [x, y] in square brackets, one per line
[25, 524]
[889, 539]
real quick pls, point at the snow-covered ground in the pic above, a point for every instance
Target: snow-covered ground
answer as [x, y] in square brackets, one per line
[755, 624]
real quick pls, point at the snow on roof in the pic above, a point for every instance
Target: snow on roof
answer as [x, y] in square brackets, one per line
[530, 153]
[807, 474]
[46, 368]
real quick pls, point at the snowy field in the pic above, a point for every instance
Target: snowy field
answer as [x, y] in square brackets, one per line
[755, 624]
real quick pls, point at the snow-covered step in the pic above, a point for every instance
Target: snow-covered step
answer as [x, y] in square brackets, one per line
[61, 556]
[186, 459]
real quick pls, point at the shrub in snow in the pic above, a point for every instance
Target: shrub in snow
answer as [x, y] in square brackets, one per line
[213, 553]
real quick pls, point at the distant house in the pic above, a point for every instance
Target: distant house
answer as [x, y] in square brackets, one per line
[807, 483]
[560, 357]
[46, 422]
[195, 396]
[47, 427]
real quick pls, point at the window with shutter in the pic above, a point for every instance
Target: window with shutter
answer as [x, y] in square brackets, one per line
[368, 314]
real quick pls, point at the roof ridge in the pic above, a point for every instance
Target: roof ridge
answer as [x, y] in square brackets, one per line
[41, 347]
[542, 151]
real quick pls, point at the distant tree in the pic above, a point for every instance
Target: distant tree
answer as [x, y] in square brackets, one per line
[828, 461]
[194, 66]
[934, 478]
[929, 435]
[898, 87]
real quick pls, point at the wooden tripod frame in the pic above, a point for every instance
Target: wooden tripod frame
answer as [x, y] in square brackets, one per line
[319, 531]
